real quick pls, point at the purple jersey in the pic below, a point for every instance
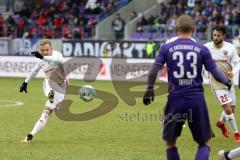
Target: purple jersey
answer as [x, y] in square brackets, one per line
[185, 58]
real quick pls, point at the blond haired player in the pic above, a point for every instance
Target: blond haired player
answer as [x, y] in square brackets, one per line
[54, 85]
[227, 60]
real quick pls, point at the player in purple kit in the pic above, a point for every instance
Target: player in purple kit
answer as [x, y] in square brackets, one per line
[185, 58]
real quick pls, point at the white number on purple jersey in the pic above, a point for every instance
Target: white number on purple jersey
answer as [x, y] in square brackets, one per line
[192, 56]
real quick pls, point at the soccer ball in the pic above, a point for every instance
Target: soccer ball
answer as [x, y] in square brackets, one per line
[87, 93]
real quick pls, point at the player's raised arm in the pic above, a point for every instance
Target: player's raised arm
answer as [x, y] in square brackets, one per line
[46, 52]
[52, 58]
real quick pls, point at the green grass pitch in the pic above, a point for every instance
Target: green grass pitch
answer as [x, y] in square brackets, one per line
[113, 136]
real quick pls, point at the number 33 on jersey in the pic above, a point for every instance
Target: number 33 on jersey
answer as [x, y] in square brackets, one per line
[184, 58]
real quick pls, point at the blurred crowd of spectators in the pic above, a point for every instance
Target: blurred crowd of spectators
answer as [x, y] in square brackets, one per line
[54, 18]
[78, 18]
[205, 13]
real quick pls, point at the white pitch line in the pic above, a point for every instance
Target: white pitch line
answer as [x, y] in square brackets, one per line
[10, 103]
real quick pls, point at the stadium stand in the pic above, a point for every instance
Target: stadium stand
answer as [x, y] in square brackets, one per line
[206, 13]
[78, 19]
[55, 18]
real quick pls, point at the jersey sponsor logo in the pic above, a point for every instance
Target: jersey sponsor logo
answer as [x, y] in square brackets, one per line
[225, 53]
[49, 70]
[221, 60]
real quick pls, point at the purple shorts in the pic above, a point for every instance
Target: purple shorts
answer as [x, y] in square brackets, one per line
[194, 111]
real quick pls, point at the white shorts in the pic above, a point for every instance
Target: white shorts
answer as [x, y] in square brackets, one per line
[225, 96]
[59, 94]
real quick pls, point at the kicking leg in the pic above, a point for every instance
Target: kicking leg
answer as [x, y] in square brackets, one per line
[39, 125]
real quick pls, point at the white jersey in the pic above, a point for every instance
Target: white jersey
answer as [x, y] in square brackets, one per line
[55, 82]
[52, 67]
[226, 58]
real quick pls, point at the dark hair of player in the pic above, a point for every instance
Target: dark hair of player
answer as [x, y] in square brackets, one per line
[221, 29]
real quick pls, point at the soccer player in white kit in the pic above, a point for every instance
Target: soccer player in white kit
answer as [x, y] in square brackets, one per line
[54, 85]
[234, 153]
[227, 60]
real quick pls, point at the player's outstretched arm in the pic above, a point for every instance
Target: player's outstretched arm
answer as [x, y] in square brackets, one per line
[37, 54]
[34, 72]
[157, 66]
[210, 66]
[48, 58]
[53, 59]
[220, 77]
[149, 94]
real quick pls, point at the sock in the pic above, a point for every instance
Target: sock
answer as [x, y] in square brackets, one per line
[202, 153]
[223, 119]
[232, 122]
[40, 123]
[234, 153]
[172, 154]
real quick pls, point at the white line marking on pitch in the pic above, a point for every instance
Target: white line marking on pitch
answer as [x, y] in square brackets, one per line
[10, 103]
